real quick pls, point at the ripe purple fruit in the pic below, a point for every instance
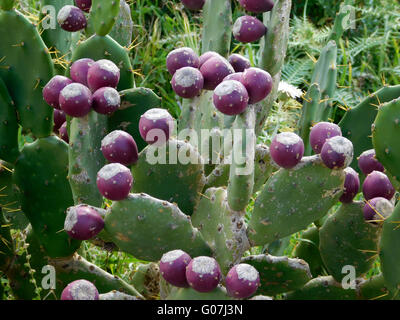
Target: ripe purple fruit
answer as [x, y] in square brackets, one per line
[119, 147]
[351, 185]
[71, 18]
[76, 100]
[337, 152]
[287, 149]
[83, 222]
[114, 181]
[103, 73]
[182, 57]
[242, 281]
[208, 55]
[367, 162]
[79, 70]
[377, 184]
[80, 290]
[230, 97]
[187, 82]
[258, 83]
[51, 91]
[257, 6]
[214, 70]
[59, 119]
[173, 267]
[63, 132]
[248, 29]
[203, 274]
[377, 209]
[106, 100]
[235, 76]
[84, 5]
[238, 62]
[155, 126]
[193, 4]
[321, 132]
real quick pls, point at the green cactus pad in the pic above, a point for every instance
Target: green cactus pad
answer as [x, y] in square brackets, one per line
[123, 27]
[147, 228]
[134, 102]
[385, 137]
[374, 289]
[98, 47]
[356, 123]
[217, 21]
[103, 15]
[263, 167]
[347, 239]
[219, 293]
[308, 250]
[170, 179]
[40, 174]
[223, 229]
[241, 174]
[279, 274]
[278, 247]
[292, 199]
[322, 288]
[8, 126]
[85, 157]
[18, 53]
[389, 252]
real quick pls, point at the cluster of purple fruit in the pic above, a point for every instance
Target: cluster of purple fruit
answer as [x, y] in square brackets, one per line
[248, 28]
[234, 82]
[92, 86]
[72, 18]
[203, 274]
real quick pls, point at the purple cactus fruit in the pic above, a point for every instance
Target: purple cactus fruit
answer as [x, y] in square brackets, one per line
[71, 18]
[367, 162]
[337, 152]
[79, 70]
[257, 6]
[63, 132]
[83, 222]
[119, 147]
[187, 82]
[76, 100]
[248, 29]
[182, 57]
[155, 126]
[287, 149]
[321, 132]
[208, 55]
[59, 119]
[114, 181]
[351, 185]
[84, 5]
[230, 97]
[242, 281]
[194, 5]
[173, 267]
[103, 73]
[214, 70]
[203, 274]
[51, 91]
[106, 100]
[377, 209]
[80, 290]
[235, 76]
[258, 83]
[377, 184]
[238, 62]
